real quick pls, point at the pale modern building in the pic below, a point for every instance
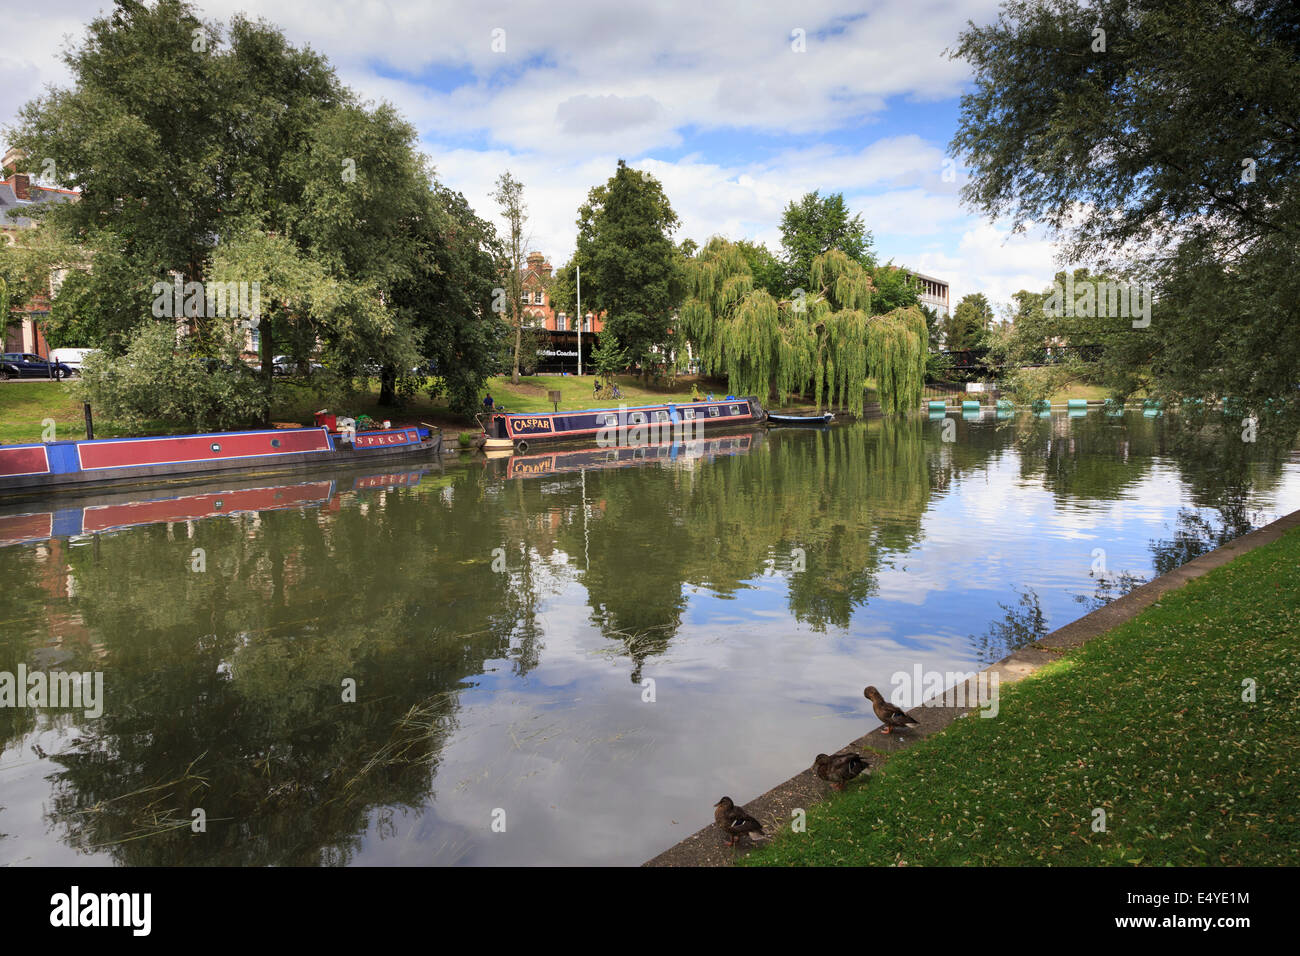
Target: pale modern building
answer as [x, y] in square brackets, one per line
[934, 292]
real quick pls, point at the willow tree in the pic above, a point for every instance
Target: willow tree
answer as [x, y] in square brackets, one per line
[823, 342]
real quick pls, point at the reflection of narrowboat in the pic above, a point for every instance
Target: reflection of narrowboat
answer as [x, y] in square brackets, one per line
[634, 425]
[113, 511]
[623, 456]
[55, 466]
[114, 514]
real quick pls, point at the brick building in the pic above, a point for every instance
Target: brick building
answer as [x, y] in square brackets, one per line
[537, 301]
[18, 193]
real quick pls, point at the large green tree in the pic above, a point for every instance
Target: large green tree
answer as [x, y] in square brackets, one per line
[966, 326]
[1159, 139]
[193, 144]
[447, 299]
[815, 225]
[631, 270]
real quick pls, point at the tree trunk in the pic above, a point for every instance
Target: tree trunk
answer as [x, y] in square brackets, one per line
[388, 386]
[519, 341]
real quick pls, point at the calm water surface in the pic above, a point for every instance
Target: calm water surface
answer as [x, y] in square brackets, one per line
[501, 621]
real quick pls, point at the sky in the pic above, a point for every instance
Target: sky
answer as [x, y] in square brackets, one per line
[737, 108]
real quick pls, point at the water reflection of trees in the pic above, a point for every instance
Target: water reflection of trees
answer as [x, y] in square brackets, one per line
[1021, 623]
[224, 688]
[836, 502]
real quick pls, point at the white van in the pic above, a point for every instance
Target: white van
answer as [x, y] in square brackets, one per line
[70, 357]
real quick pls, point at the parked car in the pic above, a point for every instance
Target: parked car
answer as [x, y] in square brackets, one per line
[288, 365]
[26, 365]
[72, 358]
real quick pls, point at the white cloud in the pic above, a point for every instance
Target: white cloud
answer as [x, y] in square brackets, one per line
[583, 85]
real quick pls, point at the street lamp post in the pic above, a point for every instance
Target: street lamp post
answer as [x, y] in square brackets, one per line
[578, 269]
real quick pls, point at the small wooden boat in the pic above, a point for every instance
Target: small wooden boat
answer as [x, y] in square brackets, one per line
[621, 426]
[60, 465]
[800, 419]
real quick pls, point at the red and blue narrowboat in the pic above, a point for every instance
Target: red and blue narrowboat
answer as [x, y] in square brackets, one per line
[623, 425]
[62, 465]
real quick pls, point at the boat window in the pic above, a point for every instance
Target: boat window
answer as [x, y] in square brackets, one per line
[636, 418]
[688, 414]
[714, 411]
[661, 416]
[216, 446]
[275, 443]
[611, 419]
[735, 409]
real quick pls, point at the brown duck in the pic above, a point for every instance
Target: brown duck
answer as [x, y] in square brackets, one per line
[890, 715]
[734, 821]
[840, 769]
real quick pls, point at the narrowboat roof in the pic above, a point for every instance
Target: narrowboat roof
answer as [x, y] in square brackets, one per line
[630, 408]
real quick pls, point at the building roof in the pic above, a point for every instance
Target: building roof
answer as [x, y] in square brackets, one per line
[928, 278]
[11, 207]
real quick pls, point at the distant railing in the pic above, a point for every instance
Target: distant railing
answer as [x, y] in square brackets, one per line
[940, 390]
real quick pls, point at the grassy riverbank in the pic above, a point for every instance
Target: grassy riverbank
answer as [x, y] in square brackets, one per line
[25, 405]
[1146, 722]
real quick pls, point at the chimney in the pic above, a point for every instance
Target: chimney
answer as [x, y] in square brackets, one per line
[13, 159]
[22, 185]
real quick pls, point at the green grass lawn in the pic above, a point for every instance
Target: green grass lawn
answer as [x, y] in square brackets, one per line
[25, 405]
[530, 394]
[1146, 722]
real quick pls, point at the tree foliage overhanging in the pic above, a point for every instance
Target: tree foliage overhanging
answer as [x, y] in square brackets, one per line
[1165, 150]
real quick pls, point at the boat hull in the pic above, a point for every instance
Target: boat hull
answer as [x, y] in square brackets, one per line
[60, 466]
[800, 419]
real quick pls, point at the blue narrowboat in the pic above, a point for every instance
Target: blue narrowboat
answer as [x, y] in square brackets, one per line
[620, 426]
